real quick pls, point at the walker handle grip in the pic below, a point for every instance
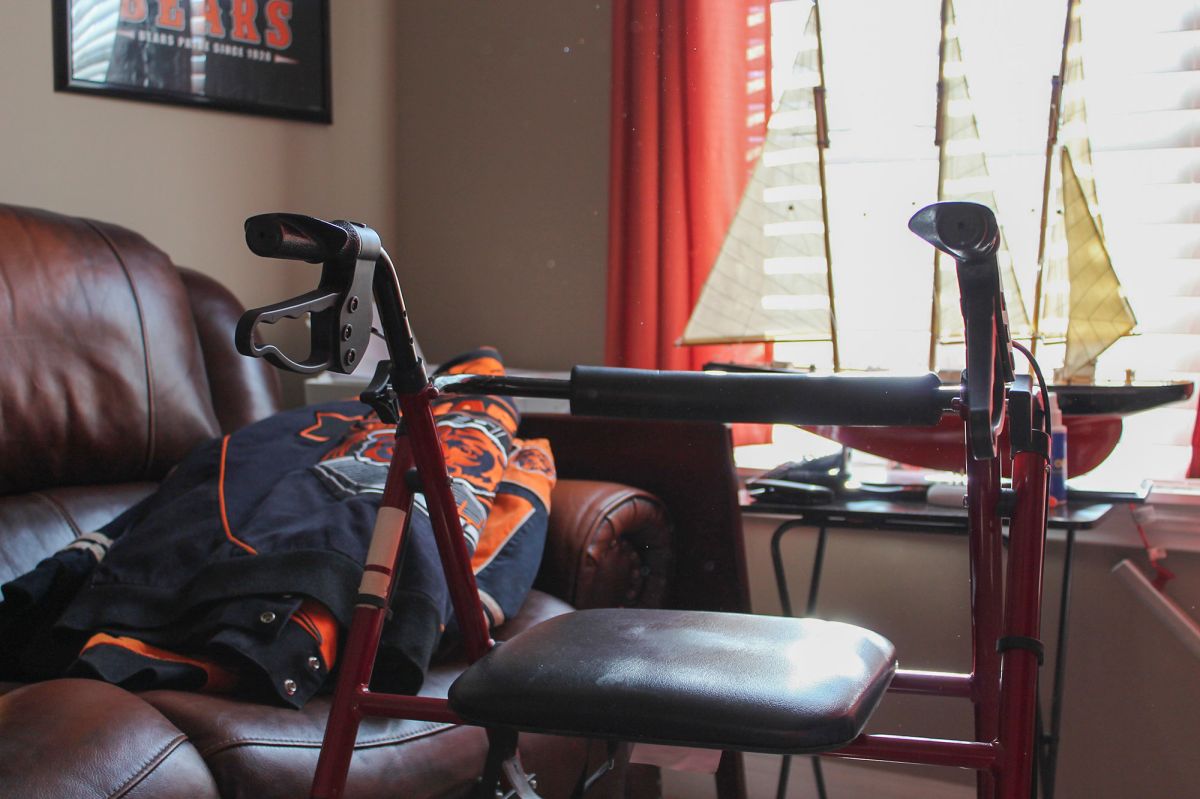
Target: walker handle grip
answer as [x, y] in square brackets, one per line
[340, 306]
[969, 233]
[749, 397]
[300, 238]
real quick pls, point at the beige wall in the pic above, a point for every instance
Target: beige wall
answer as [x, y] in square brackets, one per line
[503, 170]
[464, 132]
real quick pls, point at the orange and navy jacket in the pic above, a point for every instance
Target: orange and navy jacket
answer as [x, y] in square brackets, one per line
[240, 571]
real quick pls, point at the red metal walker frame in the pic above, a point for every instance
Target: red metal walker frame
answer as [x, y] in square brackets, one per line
[1005, 608]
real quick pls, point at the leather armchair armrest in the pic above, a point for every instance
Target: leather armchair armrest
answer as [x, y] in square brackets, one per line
[608, 545]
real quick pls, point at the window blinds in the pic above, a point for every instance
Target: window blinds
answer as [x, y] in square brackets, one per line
[1142, 82]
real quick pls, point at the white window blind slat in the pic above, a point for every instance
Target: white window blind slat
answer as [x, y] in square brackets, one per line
[1142, 89]
[1167, 203]
[1141, 167]
[1178, 277]
[1171, 314]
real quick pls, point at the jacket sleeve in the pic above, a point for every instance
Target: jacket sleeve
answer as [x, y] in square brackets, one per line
[32, 648]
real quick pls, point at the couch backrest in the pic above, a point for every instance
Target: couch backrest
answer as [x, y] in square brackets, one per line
[244, 390]
[102, 378]
[113, 364]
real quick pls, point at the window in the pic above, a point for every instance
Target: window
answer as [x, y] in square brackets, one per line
[1142, 87]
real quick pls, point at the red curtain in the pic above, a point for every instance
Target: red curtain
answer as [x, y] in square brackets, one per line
[691, 93]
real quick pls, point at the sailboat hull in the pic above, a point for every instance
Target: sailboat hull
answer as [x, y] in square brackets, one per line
[1090, 439]
[1091, 413]
[1118, 400]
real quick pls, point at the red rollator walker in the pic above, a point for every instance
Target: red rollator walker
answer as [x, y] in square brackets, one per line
[733, 682]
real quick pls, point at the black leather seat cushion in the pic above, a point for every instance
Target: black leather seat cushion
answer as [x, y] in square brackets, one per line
[691, 678]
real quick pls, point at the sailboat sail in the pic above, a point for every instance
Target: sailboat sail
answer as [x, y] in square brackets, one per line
[1081, 299]
[1072, 125]
[963, 175]
[770, 281]
[1100, 313]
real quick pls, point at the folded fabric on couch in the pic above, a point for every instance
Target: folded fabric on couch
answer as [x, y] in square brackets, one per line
[239, 571]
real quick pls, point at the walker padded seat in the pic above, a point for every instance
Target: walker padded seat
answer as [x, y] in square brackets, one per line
[690, 678]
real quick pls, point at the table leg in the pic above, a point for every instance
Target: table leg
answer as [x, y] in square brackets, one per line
[814, 582]
[1050, 742]
[785, 772]
[785, 601]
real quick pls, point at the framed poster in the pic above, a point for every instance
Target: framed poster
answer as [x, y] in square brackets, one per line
[267, 57]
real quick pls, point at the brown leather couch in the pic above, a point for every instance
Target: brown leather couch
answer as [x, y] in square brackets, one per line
[114, 363]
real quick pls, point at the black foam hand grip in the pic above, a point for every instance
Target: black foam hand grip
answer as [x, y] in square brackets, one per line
[295, 236]
[747, 397]
[969, 232]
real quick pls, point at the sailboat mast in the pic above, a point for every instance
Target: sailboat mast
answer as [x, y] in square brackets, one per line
[1056, 84]
[935, 315]
[822, 144]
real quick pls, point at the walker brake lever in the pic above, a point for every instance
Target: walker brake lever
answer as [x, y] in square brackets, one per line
[968, 232]
[380, 395]
[340, 306]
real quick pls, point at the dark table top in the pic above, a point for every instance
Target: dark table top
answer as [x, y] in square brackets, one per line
[877, 514]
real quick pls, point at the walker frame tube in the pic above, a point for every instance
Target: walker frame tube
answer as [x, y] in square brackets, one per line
[1002, 752]
[1001, 685]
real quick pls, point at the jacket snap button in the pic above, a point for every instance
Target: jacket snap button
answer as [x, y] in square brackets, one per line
[289, 687]
[266, 617]
[314, 663]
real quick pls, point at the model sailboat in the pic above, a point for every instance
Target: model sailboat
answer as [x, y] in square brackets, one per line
[1079, 298]
[773, 279]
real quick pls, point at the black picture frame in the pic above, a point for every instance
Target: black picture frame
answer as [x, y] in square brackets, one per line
[212, 54]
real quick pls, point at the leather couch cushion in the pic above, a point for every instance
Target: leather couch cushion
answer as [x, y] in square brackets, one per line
[265, 752]
[37, 524]
[77, 738]
[103, 374]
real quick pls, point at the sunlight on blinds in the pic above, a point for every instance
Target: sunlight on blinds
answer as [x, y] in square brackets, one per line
[1143, 92]
[1141, 84]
